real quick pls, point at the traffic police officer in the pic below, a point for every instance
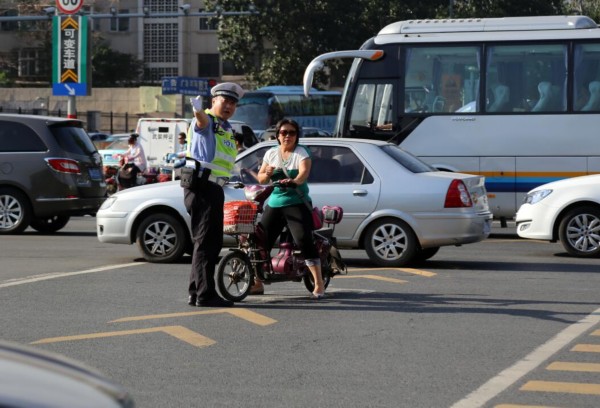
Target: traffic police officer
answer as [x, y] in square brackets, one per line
[213, 145]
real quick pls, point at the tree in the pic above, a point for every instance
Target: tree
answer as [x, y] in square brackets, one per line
[275, 46]
[113, 68]
[508, 8]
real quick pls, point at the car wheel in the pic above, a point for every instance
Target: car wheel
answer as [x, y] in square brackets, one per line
[161, 238]
[15, 211]
[425, 254]
[579, 232]
[50, 224]
[390, 242]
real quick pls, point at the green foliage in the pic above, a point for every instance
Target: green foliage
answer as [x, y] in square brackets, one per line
[276, 45]
[113, 68]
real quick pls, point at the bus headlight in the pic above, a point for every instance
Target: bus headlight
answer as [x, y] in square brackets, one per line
[536, 196]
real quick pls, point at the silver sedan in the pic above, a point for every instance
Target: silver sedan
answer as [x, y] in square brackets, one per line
[396, 207]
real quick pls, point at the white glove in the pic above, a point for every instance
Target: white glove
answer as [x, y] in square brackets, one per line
[196, 103]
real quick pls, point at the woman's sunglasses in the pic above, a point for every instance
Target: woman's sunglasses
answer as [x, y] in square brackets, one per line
[288, 132]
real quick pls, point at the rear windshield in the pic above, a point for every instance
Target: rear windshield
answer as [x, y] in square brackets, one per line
[73, 139]
[406, 159]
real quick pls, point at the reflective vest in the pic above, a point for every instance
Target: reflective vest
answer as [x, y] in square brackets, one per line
[225, 151]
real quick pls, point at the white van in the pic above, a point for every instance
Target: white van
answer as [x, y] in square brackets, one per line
[158, 137]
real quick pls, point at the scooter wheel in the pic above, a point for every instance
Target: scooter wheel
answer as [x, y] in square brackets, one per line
[233, 276]
[309, 281]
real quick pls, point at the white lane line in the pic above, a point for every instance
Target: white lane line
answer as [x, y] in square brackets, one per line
[508, 377]
[55, 275]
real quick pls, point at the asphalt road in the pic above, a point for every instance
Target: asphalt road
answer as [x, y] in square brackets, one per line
[501, 323]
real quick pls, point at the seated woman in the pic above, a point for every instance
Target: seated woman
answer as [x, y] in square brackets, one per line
[290, 163]
[134, 162]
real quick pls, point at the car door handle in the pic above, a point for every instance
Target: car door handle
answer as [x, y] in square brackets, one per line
[359, 192]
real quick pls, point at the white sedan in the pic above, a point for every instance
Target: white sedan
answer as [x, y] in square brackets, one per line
[567, 210]
[396, 207]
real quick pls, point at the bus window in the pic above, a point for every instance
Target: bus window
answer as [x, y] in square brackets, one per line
[533, 78]
[441, 79]
[373, 107]
[587, 77]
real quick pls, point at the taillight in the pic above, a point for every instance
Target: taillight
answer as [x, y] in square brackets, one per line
[64, 165]
[457, 195]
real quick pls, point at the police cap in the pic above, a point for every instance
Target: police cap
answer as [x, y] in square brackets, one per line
[228, 89]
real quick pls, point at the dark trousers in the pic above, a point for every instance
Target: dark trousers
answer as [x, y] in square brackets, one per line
[205, 206]
[299, 222]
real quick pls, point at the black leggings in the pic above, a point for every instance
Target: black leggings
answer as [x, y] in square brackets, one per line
[299, 222]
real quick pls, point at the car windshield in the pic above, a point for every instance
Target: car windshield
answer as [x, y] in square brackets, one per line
[120, 144]
[73, 139]
[406, 159]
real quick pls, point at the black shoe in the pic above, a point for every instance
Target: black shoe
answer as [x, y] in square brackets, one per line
[214, 302]
[192, 300]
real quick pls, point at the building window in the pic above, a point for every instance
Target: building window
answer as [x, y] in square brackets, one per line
[208, 23]
[9, 25]
[229, 68]
[208, 65]
[161, 42]
[120, 24]
[157, 74]
[29, 62]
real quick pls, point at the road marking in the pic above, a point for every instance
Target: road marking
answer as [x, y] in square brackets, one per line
[406, 270]
[512, 374]
[245, 314]
[522, 406]
[55, 275]
[563, 387]
[374, 277]
[179, 332]
[587, 348]
[595, 333]
[567, 366]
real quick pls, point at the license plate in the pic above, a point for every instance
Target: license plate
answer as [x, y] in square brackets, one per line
[95, 174]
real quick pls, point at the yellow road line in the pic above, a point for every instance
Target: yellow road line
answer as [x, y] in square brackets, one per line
[587, 348]
[406, 270]
[180, 332]
[522, 406]
[374, 277]
[596, 333]
[563, 387]
[567, 366]
[245, 314]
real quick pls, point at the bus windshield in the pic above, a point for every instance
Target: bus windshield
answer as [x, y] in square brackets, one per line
[263, 108]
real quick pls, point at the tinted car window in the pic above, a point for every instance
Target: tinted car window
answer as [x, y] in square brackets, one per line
[73, 139]
[335, 164]
[16, 137]
[407, 160]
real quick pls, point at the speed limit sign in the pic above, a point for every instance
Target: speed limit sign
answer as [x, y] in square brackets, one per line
[69, 6]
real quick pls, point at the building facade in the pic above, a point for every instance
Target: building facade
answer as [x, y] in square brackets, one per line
[178, 45]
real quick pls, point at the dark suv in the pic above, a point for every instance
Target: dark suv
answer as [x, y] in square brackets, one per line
[49, 171]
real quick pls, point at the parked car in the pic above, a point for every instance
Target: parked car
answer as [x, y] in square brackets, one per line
[34, 378]
[49, 171]
[396, 207]
[567, 211]
[99, 139]
[103, 144]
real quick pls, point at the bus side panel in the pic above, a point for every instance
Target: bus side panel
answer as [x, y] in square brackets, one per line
[594, 164]
[500, 183]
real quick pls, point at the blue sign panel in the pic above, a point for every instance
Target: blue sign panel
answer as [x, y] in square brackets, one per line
[185, 86]
[70, 89]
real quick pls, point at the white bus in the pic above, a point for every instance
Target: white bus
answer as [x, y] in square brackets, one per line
[514, 99]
